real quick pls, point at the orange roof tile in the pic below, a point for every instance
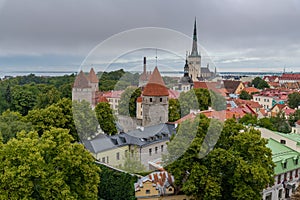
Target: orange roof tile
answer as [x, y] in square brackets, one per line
[102, 99]
[156, 85]
[251, 90]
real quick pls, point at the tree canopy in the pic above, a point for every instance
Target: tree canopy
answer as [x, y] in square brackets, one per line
[294, 100]
[245, 95]
[259, 83]
[47, 167]
[239, 166]
[105, 118]
[127, 105]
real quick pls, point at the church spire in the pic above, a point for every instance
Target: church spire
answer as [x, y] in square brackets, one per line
[194, 48]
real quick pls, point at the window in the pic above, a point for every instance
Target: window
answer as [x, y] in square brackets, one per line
[160, 99]
[279, 179]
[118, 156]
[296, 173]
[156, 148]
[291, 175]
[285, 175]
[284, 167]
[147, 191]
[103, 159]
[150, 152]
[162, 148]
[282, 141]
[296, 161]
[280, 194]
[269, 196]
[170, 189]
[107, 159]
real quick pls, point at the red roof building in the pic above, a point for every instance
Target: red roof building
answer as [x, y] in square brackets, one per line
[155, 85]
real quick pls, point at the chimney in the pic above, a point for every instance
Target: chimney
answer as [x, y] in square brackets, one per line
[144, 65]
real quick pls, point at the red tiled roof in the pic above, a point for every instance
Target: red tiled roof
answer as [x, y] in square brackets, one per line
[156, 85]
[102, 99]
[92, 76]
[81, 81]
[290, 76]
[113, 94]
[251, 90]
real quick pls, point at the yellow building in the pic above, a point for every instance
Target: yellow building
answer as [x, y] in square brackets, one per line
[157, 186]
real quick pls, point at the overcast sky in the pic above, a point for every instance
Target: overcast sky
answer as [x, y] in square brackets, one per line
[238, 35]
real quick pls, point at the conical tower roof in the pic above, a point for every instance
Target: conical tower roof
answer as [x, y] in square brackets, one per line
[155, 85]
[93, 77]
[81, 81]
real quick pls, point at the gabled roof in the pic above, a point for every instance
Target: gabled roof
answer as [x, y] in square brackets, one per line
[81, 81]
[155, 85]
[231, 86]
[251, 90]
[92, 76]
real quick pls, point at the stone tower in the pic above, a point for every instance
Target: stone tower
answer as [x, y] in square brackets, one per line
[194, 59]
[155, 101]
[85, 87]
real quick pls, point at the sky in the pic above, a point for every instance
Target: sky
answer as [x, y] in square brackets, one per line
[66, 35]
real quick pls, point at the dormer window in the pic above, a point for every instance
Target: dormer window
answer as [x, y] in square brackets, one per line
[284, 165]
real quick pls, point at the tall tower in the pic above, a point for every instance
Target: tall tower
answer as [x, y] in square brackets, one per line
[155, 101]
[194, 59]
[85, 87]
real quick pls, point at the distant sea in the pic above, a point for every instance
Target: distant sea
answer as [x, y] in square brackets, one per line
[164, 73]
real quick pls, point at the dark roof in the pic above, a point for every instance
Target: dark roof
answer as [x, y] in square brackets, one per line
[205, 70]
[139, 137]
[231, 86]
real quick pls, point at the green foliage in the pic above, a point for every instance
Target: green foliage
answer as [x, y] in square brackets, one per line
[106, 118]
[127, 105]
[49, 95]
[245, 95]
[248, 119]
[11, 123]
[280, 123]
[218, 102]
[116, 185]
[196, 99]
[45, 119]
[294, 100]
[239, 167]
[174, 110]
[117, 80]
[294, 117]
[266, 123]
[85, 119]
[47, 167]
[23, 98]
[259, 83]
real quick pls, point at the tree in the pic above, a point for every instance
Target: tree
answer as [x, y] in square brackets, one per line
[259, 83]
[48, 97]
[47, 118]
[174, 110]
[294, 117]
[294, 100]
[47, 167]
[266, 123]
[248, 119]
[239, 166]
[105, 118]
[127, 105]
[23, 99]
[245, 95]
[218, 102]
[195, 99]
[11, 123]
[85, 119]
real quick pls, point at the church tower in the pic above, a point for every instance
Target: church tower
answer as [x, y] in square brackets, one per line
[194, 59]
[155, 101]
